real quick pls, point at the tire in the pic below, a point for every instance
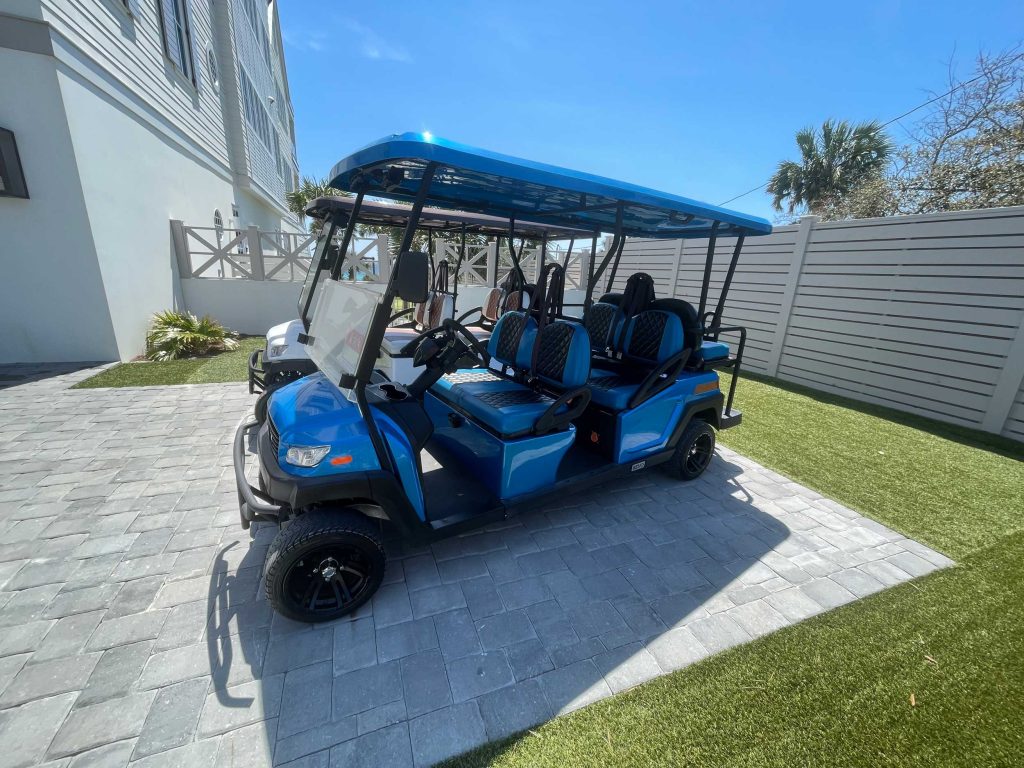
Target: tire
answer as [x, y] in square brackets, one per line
[260, 409]
[342, 540]
[693, 452]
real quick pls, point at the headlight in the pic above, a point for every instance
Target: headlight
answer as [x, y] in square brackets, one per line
[306, 455]
[278, 349]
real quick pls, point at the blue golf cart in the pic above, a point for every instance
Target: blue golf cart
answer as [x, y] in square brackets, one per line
[559, 397]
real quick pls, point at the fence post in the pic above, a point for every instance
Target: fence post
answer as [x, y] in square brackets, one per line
[584, 264]
[1001, 402]
[492, 264]
[255, 254]
[803, 236]
[383, 257]
[675, 269]
[180, 241]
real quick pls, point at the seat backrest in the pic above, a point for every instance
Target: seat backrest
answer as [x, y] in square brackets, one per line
[491, 309]
[693, 332]
[563, 355]
[602, 320]
[652, 337]
[511, 342]
[442, 306]
[422, 313]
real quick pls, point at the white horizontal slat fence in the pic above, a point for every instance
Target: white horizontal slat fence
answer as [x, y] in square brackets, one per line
[920, 313]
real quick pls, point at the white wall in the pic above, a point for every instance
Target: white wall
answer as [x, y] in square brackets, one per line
[53, 305]
[248, 306]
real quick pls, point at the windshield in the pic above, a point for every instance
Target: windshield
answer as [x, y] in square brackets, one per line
[340, 324]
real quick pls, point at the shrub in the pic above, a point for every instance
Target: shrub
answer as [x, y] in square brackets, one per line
[173, 335]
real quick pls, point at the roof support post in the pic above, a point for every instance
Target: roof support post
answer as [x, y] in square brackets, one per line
[728, 282]
[708, 262]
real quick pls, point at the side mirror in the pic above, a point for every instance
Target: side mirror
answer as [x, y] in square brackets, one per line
[412, 276]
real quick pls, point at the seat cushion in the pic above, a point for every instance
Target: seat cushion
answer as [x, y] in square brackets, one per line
[502, 405]
[714, 350]
[611, 390]
[511, 342]
[483, 335]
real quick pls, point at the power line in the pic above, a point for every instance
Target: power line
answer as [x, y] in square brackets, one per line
[923, 104]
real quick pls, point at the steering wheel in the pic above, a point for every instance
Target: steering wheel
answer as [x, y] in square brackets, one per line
[427, 345]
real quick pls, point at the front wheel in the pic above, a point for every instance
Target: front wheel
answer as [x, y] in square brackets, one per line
[324, 565]
[693, 452]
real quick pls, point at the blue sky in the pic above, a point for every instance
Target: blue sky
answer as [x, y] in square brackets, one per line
[700, 99]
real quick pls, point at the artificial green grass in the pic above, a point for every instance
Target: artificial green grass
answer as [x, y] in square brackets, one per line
[836, 690]
[955, 489]
[215, 369]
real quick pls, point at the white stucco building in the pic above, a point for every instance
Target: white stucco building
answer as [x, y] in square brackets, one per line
[127, 114]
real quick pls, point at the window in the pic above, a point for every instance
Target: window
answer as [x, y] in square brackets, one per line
[255, 113]
[258, 22]
[132, 6]
[277, 154]
[174, 19]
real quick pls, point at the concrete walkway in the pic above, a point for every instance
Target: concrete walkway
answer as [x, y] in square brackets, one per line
[133, 628]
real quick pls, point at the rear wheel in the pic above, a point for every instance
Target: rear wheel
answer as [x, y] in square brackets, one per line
[324, 565]
[694, 452]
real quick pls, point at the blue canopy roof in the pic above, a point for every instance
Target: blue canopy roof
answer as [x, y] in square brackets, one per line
[472, 179]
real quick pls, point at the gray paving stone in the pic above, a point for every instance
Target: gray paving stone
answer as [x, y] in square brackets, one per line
[409, 637]
[23, 638]
[126, 630]
[446, 733]
[68, 636]
[116, 673]
[539, 563]
[382, 716]
[306, 700]
[504, 629]
[758, 618]
[472, 676]
[38, 719]
[366, 688]
[639, 616]
[793, 604]
[49, 678]
[827, 593]
[116, 754]
[315, 741]
[249, 746]
[528, 658]
[240, 705]
[388, 747]
[627, 666]
[513, 709]
[391, 605]
[482, 597]
[596, 618]
[437, 599]
[172, 718]
[200, 754]
[298, 650]
[569, 688]
[456, 634]
[676, 649]
[99, 724]
[461, 568]
[858, 582]
[425, 683]
[175, 666]
[719, 632]
[355, 645]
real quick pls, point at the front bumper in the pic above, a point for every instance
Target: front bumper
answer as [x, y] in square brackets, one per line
[257, 377]
[253, 504]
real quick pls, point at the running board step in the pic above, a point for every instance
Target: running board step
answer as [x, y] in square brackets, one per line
[731, 418]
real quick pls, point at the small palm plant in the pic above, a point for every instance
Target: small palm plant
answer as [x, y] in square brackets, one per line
[181, 334]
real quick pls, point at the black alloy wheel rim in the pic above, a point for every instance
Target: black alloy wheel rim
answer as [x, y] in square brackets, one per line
[699, 455]
[327, 579]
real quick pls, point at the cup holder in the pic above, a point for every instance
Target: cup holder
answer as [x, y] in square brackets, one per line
[393, 392]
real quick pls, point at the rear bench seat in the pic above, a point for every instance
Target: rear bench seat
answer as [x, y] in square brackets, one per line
[512, 409]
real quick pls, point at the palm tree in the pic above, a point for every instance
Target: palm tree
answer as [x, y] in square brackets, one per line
[310, 189]
[832, 163]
